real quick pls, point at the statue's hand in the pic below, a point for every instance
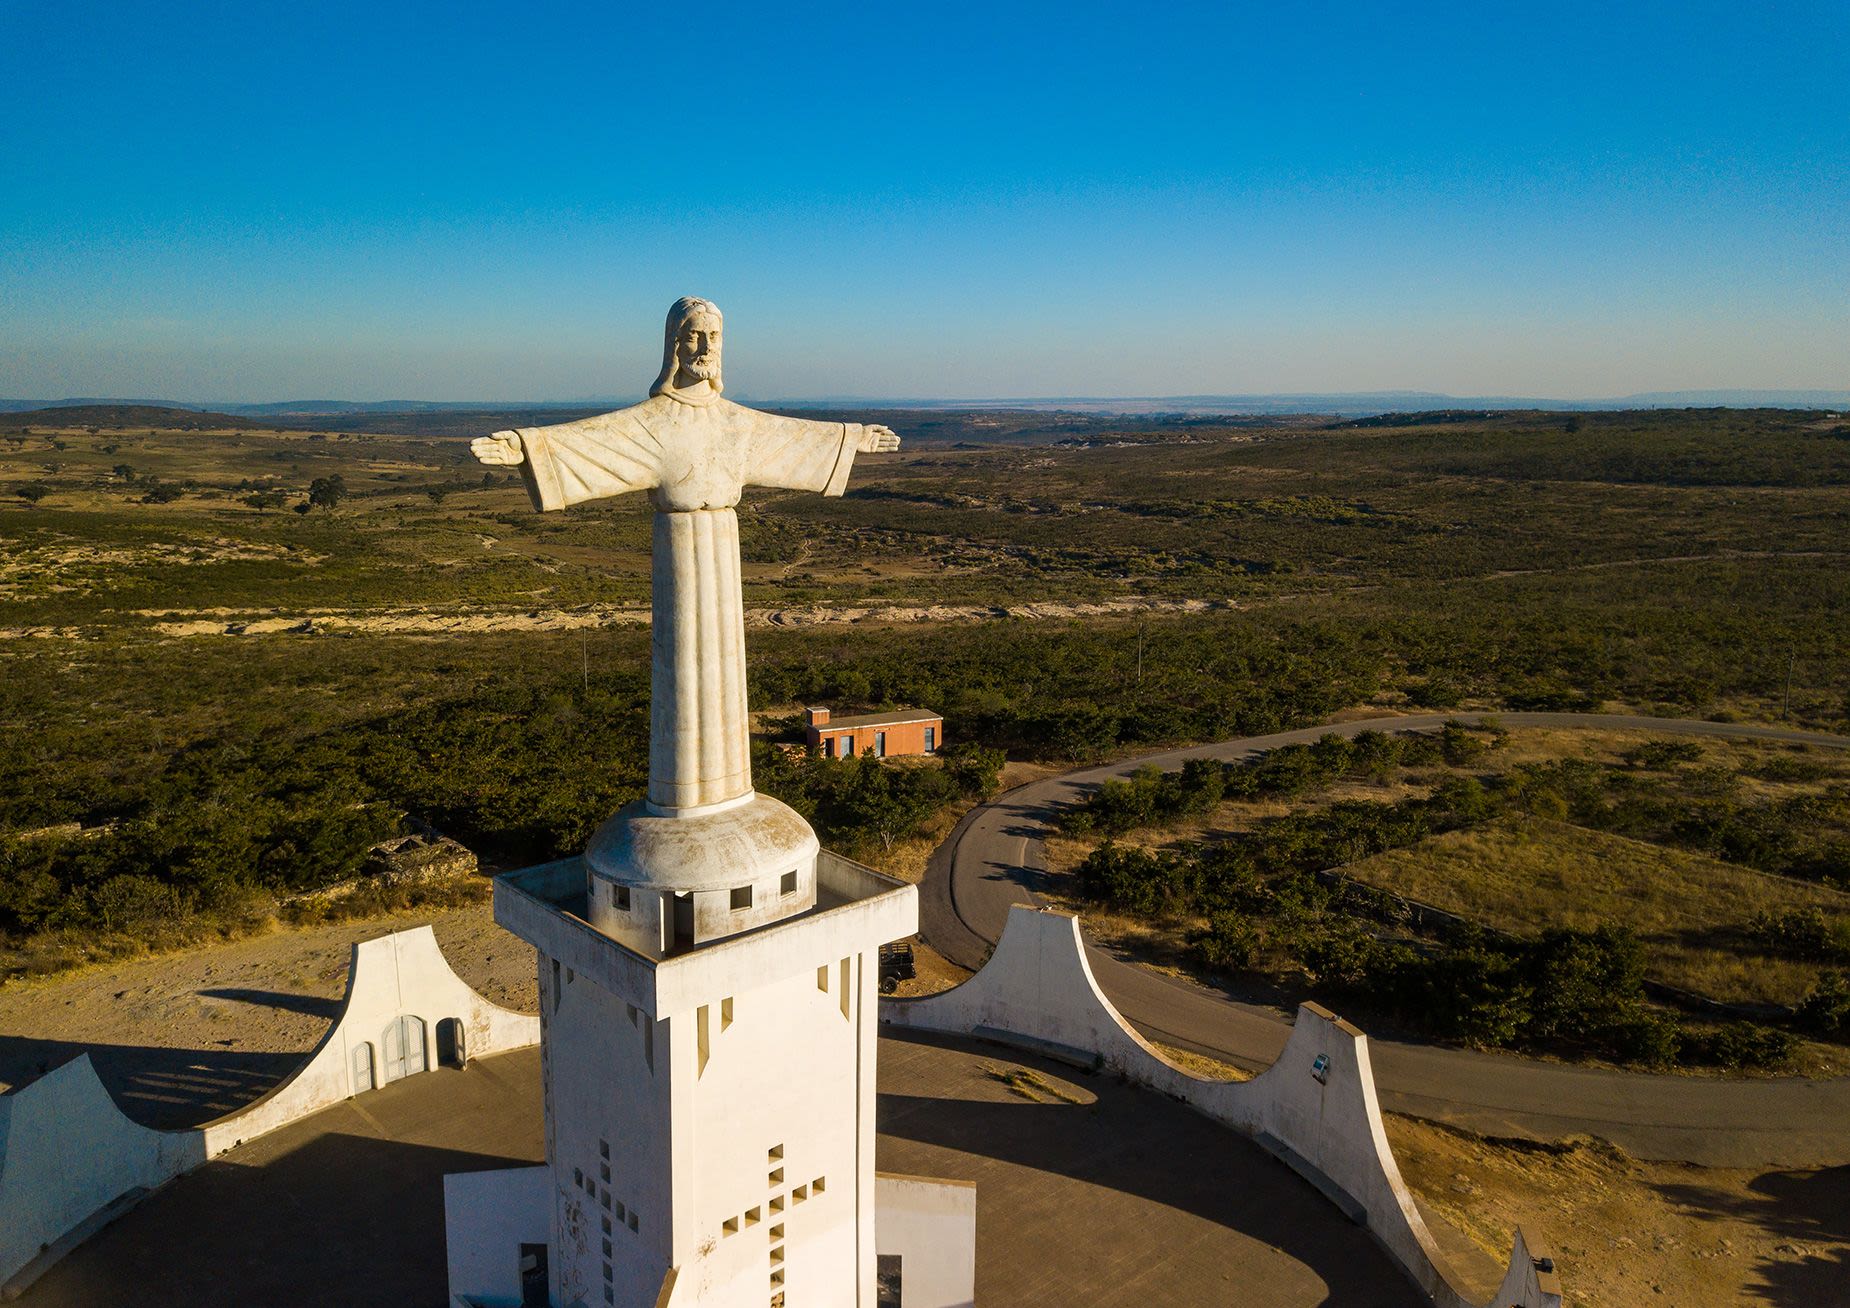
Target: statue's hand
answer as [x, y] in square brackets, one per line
[878, 440]
[503, 449]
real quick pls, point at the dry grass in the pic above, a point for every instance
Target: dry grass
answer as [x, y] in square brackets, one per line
[1524, 874]
[933, 973]
[1626, 1232]
[1035, 1087]
[1208, 1069]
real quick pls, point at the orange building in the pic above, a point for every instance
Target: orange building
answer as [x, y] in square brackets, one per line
[884, 735]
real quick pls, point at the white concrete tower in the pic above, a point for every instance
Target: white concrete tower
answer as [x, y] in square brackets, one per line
[708, 976]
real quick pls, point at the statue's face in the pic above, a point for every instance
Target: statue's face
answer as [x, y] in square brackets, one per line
[696, 351]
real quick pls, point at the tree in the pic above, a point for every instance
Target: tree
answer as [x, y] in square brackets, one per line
[326, 492]
[266, 500]
[34, 491]
[123, 470]
[436, 493]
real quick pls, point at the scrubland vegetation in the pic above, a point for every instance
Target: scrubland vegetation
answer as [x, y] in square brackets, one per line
[1568, 903]
[1683, 563]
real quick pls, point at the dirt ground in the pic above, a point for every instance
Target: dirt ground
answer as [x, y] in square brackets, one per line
[1625, 1232]
[466, 621]
[256, 996]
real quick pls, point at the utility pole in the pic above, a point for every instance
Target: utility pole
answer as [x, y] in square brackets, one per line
[584, 652]
[1785, 700]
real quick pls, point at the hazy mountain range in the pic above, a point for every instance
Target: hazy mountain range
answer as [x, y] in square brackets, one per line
[1350, 404]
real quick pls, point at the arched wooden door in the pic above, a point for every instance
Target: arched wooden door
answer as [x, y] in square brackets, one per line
[362, 1067]
[404, 1048]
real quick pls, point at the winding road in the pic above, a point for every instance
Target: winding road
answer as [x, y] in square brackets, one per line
[994, 859]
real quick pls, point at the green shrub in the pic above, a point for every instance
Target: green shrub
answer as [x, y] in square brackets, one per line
[1737, 1045]
[1826, 1010]
[1133, 880]
[1806, 934]
[1229, 943]
[1657, 755]
[974, 769]
[1645, 1038]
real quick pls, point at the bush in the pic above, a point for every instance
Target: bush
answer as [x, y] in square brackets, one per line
[1802, 933]
[1131, 879]
[1458, 746]
[1584, 983]
[974, 769]
[1475, 992]
[1737, 1045]
[1340, 954]
[133, 903]
[1438, 692]
[1229, 943]
[1645, 1038]
[1657, 755]
[1826, 1009]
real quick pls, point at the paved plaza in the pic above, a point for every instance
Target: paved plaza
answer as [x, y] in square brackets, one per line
[1089, 1191]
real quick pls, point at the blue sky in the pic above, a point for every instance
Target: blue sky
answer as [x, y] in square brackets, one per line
[458, 201]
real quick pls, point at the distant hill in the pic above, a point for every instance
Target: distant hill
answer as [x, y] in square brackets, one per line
[354, 408]
[1054, 415]
[123, 416]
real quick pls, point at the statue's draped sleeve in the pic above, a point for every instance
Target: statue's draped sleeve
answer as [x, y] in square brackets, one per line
[801, 454]
[588, 460]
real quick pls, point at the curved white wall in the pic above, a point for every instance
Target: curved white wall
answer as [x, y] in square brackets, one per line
[67, 1152]
[1315, 1107]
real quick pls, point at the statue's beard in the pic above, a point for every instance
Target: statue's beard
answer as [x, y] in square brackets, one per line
[701, 370]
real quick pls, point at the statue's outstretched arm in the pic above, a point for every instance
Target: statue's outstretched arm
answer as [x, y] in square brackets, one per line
[803, 454]
[572, 462]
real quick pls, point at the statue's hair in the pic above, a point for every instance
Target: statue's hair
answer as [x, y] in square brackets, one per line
[688, 306]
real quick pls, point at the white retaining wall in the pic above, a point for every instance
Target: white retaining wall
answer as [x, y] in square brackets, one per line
[401, 975]
[931, 1225]
[487, 1216]
[67, 1152]
[1315, 1107]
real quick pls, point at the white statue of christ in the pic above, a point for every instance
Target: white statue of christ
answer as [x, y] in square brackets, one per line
[694, 452]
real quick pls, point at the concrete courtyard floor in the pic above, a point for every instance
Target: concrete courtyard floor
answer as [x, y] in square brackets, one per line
[1089, 1191]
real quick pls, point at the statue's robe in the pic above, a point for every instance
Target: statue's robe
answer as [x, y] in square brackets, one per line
[694, 457]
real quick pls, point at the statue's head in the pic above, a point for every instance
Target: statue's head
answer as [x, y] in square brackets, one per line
[690, 346]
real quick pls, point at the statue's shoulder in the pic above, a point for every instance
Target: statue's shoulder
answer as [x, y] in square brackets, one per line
[743, 416]
[622, 422]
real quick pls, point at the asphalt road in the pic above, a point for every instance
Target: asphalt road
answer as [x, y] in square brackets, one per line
[994, 859]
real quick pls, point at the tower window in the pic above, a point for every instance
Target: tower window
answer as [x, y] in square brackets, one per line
[741, 897]
[788, 885]
[620, 897]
